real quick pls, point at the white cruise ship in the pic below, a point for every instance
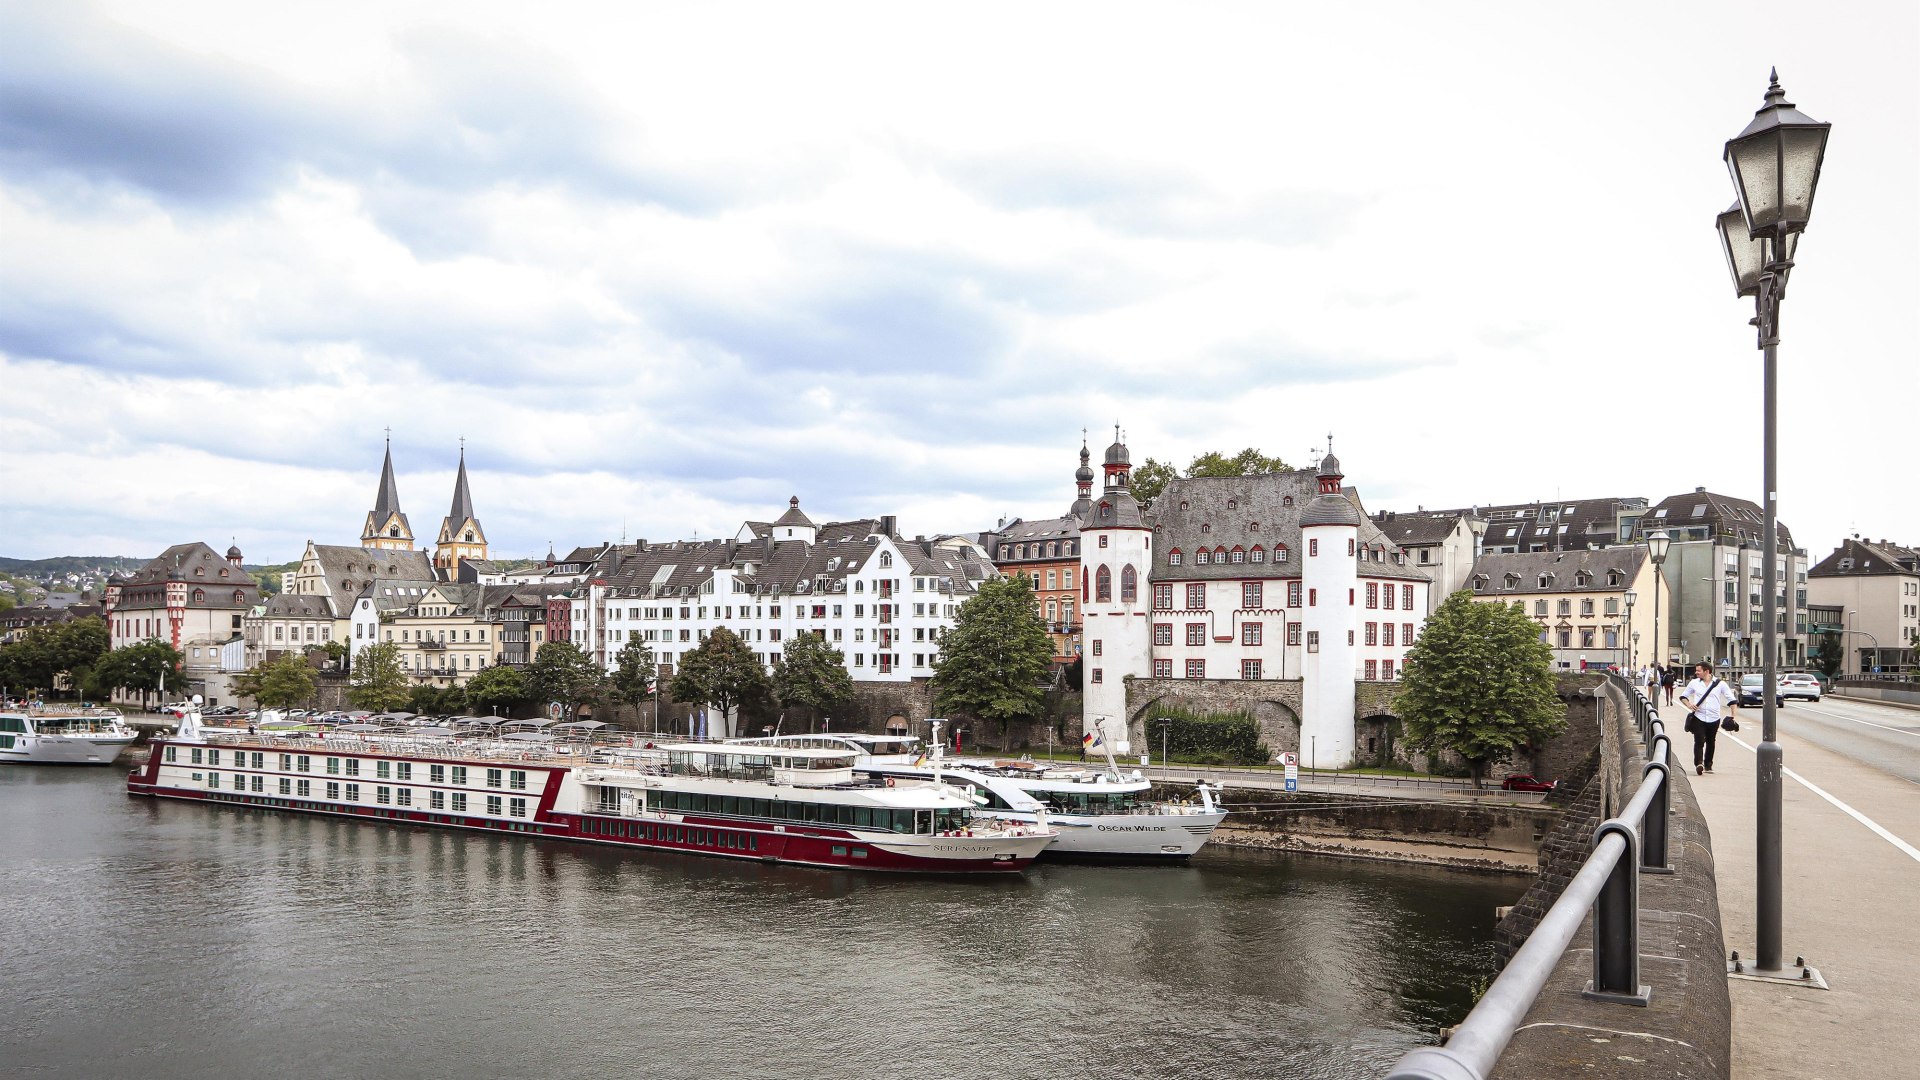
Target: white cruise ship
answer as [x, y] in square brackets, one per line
[80, 737]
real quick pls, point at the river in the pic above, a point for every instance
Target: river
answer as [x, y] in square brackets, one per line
[153, 939]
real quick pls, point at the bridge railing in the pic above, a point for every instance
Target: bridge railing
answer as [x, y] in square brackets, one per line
[1625, 846]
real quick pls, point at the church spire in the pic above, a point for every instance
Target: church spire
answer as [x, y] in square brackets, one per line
[460, 534]
[386, 526]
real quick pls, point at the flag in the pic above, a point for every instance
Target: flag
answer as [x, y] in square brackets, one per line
[1090, 741]
[921, 760]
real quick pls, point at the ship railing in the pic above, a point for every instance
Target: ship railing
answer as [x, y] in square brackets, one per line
[1608, 884]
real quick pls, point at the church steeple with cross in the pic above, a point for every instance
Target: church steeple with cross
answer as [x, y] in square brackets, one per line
[386, 526]
[460, 534]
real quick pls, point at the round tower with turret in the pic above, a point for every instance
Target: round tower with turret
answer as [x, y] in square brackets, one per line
[1330, 532]
[1116, 554]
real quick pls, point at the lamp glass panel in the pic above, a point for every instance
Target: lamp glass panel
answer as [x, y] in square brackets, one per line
[1800, 150]
[1755, 161]
[1745, 255]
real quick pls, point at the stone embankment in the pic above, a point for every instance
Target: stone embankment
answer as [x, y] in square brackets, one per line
[1450, 829]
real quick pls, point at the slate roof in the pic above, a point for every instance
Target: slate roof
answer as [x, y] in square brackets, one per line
[387, 501]
[1223, 511]
[1868, 558]
[1422, 528]
[200, 567]
[793, 516]
[350, 570]
[462, 500]
[1565, 566]
[1562, 525]
[299, 606]
[1027, 532]
[780, 568]
[1724, 515]
[397, 594]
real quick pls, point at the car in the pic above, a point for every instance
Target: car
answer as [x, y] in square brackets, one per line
[1751, 694]
[1524, 782]
[1800, 685]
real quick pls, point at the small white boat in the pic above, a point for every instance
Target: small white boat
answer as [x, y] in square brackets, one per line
[78, 737]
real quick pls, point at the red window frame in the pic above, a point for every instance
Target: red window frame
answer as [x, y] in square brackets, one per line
[1251, 633]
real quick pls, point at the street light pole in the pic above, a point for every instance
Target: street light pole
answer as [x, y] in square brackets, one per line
[1657, 545]
[1775, 164]
[1631, 640]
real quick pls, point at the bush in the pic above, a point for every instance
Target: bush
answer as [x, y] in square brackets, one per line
[1207, 738]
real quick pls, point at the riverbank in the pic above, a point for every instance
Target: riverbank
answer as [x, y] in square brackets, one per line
[1480, 832]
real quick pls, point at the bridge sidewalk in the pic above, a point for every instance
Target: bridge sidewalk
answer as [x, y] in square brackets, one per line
[1849, 897]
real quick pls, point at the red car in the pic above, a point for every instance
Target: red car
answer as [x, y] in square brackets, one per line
[1523, 782]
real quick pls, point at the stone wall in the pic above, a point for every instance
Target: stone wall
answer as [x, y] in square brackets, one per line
[1274, 703]
[1686, 1029]
[1500, 837]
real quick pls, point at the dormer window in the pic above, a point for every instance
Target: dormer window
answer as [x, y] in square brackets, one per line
[1512, 581]
[1279, 553]
[1174, 558]
[1233, 504]
[1183, 504]
[1614, 577]
[1257, 554]
[1200, 557]
[1846, 564]
[1479, 582]
[1546, 581]
[1205, 527]
[1583, 579]
[1286, 500]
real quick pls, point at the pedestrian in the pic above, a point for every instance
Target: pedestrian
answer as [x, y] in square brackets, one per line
[1667, 679]
[1709, 702]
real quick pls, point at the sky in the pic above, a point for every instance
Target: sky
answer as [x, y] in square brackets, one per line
[662, 266]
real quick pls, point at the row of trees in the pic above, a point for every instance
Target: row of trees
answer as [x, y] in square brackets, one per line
[76, 657]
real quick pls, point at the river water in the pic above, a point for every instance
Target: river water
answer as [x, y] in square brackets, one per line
[157, 939]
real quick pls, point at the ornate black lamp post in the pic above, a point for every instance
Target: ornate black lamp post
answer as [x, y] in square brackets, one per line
[1775, 164]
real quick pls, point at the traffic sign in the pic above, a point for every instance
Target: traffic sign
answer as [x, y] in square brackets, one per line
[1291, 760]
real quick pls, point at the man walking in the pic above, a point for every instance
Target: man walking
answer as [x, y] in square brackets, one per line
[1709, 701]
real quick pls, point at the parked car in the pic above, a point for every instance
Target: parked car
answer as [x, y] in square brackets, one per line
[1523, 782]
[1800, 685]
[1751, 691]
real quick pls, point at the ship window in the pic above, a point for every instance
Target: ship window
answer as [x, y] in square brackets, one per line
[459, 801]
[459, 777]
[353, 766]
[493, 805]
[859, 853]
[494, 777]
[518, 781]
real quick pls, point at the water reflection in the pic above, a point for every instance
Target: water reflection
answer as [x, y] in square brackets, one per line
[171, 939]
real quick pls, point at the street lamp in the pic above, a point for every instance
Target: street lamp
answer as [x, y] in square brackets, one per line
[1775, 163]
[1657, 545]
[1633, 655]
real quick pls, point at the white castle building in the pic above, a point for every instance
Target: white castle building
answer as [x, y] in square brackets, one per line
[1274, 578]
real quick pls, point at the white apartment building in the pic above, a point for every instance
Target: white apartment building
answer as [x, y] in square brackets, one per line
[881, 600]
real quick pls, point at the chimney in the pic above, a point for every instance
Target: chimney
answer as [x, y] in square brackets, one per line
[888, 523]
[1699, 491]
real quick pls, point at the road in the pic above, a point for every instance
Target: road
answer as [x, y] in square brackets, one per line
[1884, 737]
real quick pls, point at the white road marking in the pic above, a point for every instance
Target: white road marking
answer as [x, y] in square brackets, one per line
[1869, 723]
[1912, 852]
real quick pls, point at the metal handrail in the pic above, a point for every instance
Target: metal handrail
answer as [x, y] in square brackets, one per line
[1608, 884]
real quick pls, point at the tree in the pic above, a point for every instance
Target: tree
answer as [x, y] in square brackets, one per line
[1151, 478]
[379, 682]
[562, 672]
[278, 684]
[811, 674]
[39, 657]
[1832, 655]
[437, 700]
[145, 667]
[633, 673]
[1479, 682]
[994, 661]
[497, 688]
[723, 673]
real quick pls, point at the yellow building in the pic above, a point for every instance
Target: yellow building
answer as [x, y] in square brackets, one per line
[444, 637]
[1580, 601]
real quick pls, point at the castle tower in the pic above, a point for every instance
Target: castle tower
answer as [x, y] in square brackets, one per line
[386, 526]
[1083, 480]
[1116, 555]
[1330, 531]
[460, 534]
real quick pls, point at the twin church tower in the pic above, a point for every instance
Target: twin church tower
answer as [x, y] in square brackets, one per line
[460, 534]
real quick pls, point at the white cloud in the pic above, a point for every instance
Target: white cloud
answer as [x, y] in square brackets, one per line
[663, 273]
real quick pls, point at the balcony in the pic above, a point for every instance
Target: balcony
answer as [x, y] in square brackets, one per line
[433, 646]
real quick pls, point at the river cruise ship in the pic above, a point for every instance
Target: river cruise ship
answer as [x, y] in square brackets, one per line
[51, 737]
[797, 805]
[1099, 813]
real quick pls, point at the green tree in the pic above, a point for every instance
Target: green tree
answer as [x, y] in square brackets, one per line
[501, 688]
[1152, 477]
[562, 672]
[1479, 681]
[721, 672]
[1832, 658]
[633, 673]
[811, 674]
[280, 683]
[378, 683]
[437, 700]
[144, 667]
[40, 657]
[994, 661]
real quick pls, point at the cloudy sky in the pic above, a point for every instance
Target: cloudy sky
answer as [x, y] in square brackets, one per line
[663, 266]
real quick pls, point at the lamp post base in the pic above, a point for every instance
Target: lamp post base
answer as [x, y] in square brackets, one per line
[1801, 974]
